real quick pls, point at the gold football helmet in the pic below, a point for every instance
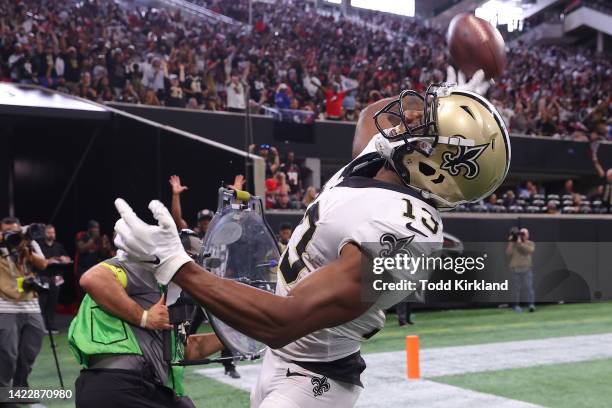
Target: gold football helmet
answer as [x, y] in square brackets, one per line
[458, 152]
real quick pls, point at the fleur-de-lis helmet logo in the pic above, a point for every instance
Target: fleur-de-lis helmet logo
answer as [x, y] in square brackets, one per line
[464, 158]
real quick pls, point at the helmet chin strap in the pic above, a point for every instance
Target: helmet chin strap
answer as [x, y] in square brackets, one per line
[387, 150]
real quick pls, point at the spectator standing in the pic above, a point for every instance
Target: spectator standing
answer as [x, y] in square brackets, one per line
[235, 95]
[235, 86]
[92, 247]
[334, 99]
[192, 86]
[271, 165]
[173, 89]
[404, 312]
[116, 71]
[520, 250]
[72, 62]
[281, 98]
[57, 259]
[284, 234]
[153, 77]
[519, 122]
[293, 174]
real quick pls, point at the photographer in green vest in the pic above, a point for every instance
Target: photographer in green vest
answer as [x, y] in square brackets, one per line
[118, 336]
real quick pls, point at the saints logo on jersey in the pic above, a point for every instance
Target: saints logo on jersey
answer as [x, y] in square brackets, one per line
[391, 245]
[464, 158]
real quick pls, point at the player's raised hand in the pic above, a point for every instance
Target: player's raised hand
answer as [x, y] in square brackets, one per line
[478, 83]
[157, 247]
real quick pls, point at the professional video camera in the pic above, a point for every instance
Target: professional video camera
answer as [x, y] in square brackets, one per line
[12, 239]
[514, 234]
[239, 245]
[34, 284]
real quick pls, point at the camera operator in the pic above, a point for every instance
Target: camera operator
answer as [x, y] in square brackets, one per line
[519, 251]
[118, 336]
[58, 259]
[21, 324]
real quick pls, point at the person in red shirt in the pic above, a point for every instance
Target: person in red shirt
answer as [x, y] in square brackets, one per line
[333, 101]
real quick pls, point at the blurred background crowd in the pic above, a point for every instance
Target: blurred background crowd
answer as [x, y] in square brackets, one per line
[295, 58]
[300, 59]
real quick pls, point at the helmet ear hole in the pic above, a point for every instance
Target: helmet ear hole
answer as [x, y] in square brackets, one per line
[426, 169]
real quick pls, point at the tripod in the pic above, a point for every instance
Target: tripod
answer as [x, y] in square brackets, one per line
[53, 349]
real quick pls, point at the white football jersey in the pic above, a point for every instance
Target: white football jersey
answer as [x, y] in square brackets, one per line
[353, 209]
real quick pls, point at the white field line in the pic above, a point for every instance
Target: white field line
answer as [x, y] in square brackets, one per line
[386, 384]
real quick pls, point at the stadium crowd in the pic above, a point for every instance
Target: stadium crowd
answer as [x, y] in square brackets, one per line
[321, 63]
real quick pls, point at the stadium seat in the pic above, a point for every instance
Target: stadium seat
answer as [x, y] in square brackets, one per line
[515, 209]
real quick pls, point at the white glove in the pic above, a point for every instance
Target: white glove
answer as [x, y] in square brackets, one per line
[478, 83]
[158, 248]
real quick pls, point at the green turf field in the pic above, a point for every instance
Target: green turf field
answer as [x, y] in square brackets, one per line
[435, 329]
[474, 326]
[571, 385]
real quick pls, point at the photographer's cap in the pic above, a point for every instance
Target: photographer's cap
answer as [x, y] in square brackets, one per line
[93, 224]
[204, 214]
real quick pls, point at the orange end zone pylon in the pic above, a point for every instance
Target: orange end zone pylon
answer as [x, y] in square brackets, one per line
[413, 371]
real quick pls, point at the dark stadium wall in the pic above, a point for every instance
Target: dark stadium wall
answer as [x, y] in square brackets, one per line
[332, 141]
[571, 263]
[127, 159]
[322, 140]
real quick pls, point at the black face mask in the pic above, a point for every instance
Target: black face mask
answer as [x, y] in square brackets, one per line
[395, 113]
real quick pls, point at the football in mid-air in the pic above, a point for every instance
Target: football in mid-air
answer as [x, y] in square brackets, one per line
[475, 44]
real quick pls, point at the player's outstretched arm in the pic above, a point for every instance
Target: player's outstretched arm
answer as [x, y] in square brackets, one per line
[327, 298]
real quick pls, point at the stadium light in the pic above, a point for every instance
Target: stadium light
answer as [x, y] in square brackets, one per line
[500, 12]
[401, 7]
